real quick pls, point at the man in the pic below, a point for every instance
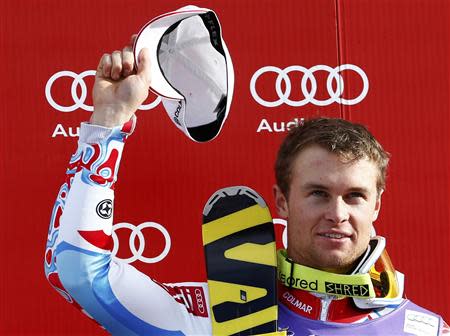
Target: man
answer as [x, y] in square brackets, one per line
[330, 179]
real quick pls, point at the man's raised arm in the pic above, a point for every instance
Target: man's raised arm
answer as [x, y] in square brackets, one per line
[78, 261]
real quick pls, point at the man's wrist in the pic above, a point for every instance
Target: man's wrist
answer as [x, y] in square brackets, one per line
[109, 117]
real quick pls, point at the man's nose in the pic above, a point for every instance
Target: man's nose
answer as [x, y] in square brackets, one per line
[337, 210]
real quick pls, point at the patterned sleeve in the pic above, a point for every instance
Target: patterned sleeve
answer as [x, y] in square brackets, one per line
[78, 262]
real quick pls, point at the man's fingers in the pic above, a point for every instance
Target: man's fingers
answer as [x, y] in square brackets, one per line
[133, 39]
[144, 66]
[100, 66]
[122, 63]
[104, 67]
[127, 61]
[116, 67]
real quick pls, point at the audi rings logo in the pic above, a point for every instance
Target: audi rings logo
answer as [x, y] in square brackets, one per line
[282, 222]
[79, 100]
[199, 299]
[136, 231]
[421, 318]
[334, 76]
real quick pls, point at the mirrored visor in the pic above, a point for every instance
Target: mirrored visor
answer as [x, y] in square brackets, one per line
[384, 277]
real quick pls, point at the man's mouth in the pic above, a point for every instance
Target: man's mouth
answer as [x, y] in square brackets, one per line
[334, 235]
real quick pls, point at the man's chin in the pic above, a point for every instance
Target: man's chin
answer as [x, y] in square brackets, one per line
[336, 262]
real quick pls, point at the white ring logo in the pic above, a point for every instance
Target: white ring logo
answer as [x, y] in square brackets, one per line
[333, 76]
[282, 222]
[422, 318]
[137, 231]
[78, 81]
[199, 299]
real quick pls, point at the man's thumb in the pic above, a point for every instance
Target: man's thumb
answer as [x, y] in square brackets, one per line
[143, 70]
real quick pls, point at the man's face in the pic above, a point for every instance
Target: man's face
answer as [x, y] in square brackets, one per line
[330, 209]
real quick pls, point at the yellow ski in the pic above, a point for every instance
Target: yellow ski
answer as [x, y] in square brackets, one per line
[240, 252]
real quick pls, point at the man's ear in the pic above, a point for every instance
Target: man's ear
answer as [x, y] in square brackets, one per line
[280, 202]
[377, 206]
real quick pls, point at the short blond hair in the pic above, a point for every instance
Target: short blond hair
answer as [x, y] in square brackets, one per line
[346, 139]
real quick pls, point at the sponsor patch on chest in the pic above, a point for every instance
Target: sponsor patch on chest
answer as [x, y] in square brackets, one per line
[418, 323]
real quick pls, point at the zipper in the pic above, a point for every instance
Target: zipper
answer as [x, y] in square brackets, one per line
[325, 306]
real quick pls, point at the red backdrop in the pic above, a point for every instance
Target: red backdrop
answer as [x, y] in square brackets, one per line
[401, 53]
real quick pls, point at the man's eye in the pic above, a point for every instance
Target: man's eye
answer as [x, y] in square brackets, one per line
[356, 195]
[319, 193]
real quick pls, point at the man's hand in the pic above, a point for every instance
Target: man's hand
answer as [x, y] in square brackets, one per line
[119, 90]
